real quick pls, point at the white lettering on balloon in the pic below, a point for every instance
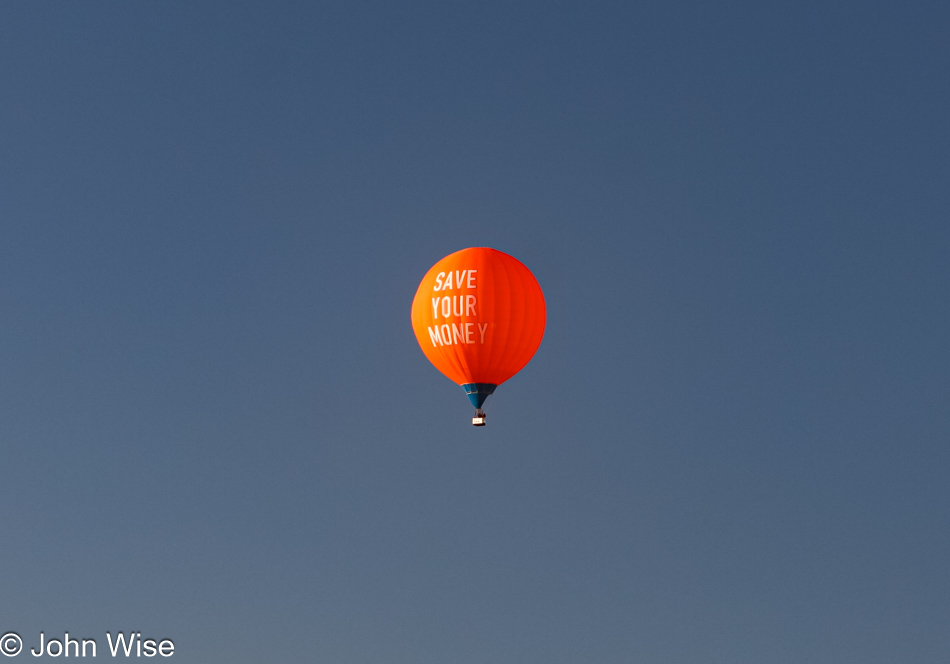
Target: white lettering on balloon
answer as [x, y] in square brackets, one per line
[454, 307]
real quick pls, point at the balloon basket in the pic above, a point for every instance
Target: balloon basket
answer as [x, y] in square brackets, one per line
[479, 419]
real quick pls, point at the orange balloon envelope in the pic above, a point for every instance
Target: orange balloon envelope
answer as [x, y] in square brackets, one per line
[479, 317]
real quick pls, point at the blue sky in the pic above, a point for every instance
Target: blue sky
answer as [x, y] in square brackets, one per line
[217, 427]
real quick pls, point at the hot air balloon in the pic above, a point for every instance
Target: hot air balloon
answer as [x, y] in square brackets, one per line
[479, 316]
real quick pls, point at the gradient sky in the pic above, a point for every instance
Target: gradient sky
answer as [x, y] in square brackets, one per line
[217, 427]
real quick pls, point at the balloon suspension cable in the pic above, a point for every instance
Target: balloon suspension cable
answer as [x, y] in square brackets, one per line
[479, 419]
